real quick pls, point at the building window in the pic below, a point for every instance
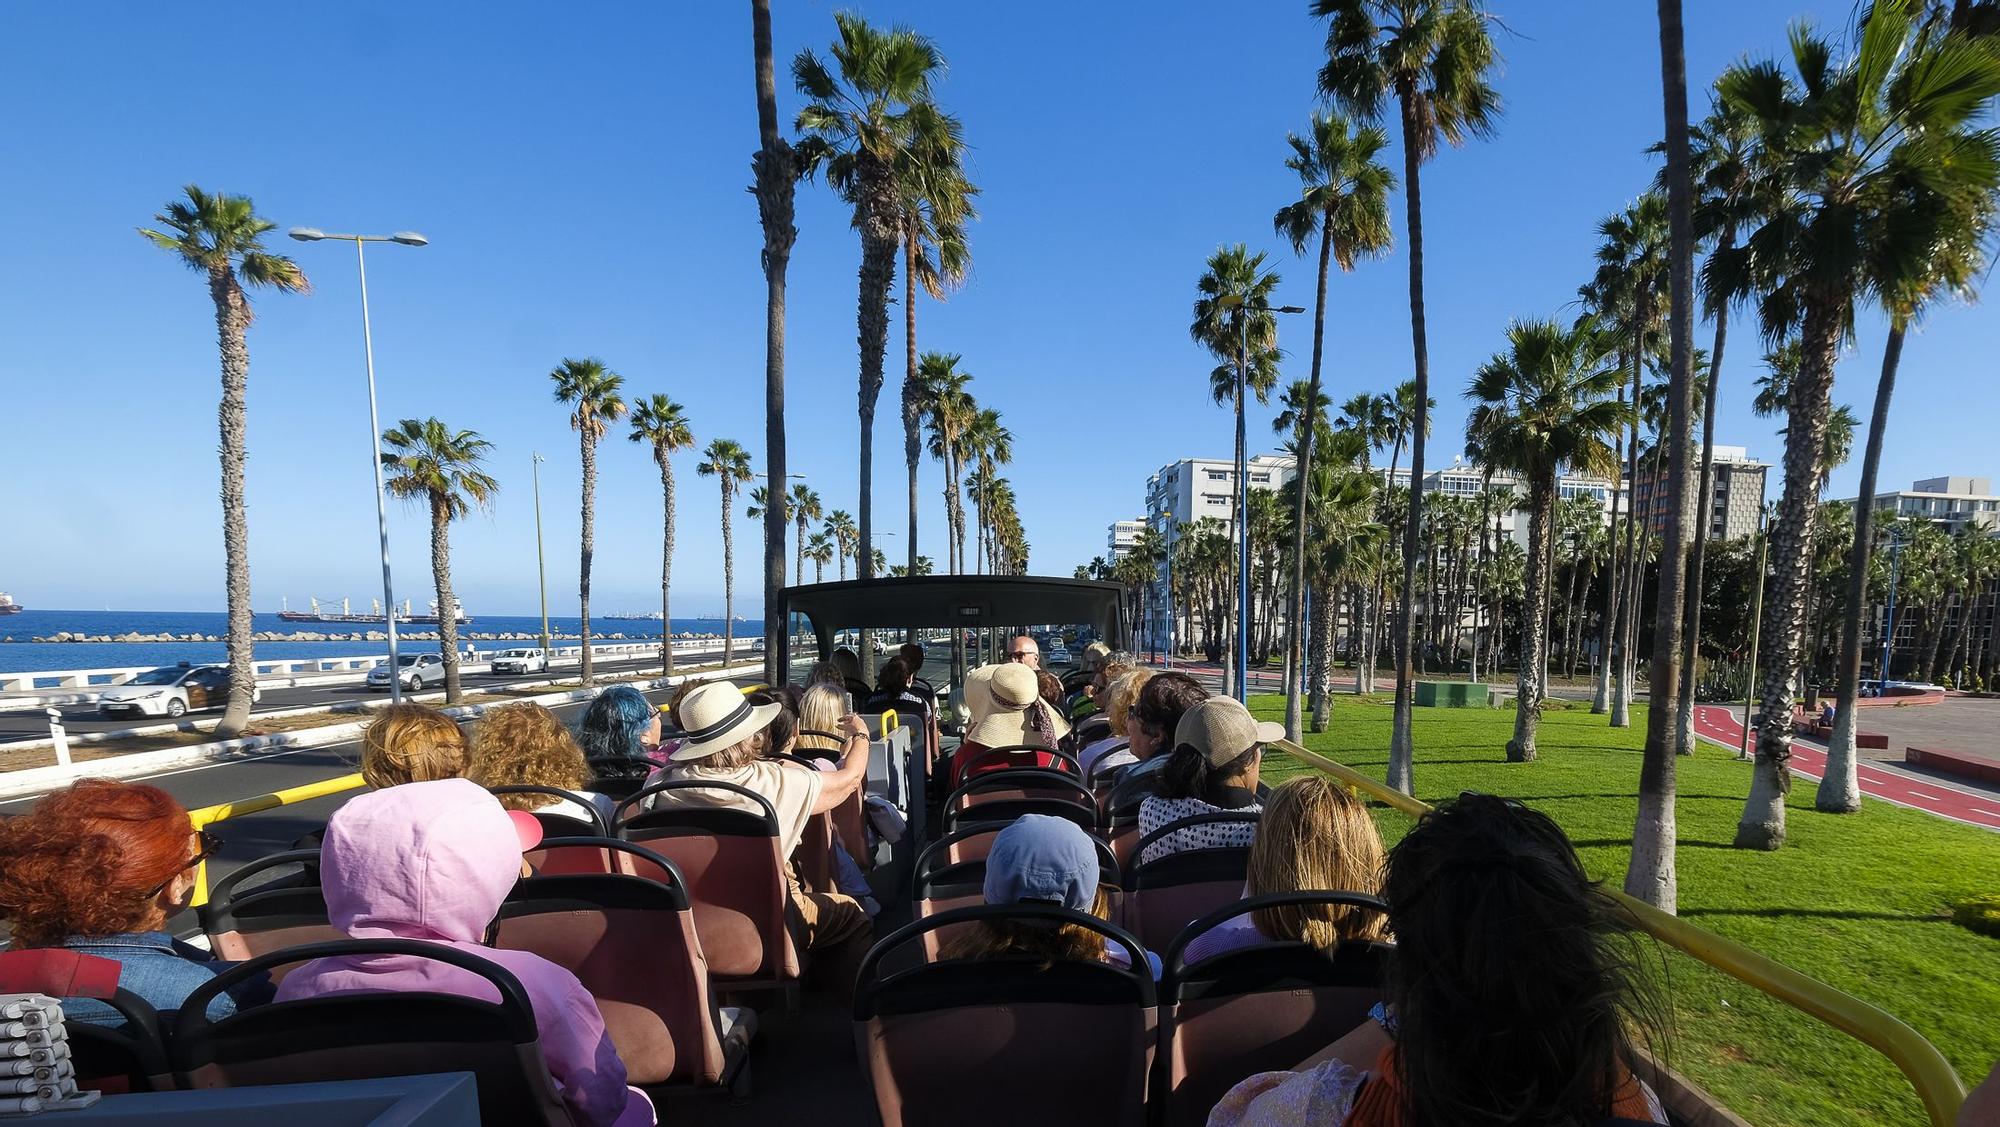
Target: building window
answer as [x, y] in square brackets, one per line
[1260, 479]
[1218, 475]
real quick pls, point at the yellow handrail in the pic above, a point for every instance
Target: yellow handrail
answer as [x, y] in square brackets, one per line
[1937, 1083]
[257, 804]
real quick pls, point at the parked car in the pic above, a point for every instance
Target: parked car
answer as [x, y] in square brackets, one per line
[414, 671]
[173, 690]
[521, 661]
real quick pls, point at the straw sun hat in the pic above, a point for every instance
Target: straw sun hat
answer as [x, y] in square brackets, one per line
[1012, 689]
[719, 716]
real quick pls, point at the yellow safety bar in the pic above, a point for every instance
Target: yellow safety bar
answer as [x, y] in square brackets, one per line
[1936, 1082]
[209, 815]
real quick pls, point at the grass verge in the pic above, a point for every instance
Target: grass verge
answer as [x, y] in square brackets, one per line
[1863, 902]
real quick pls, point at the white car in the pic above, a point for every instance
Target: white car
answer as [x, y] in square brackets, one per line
[521, 661]
[172, 691]
[414, 671]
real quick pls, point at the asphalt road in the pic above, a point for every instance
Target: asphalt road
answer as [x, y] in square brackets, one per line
[24, 725]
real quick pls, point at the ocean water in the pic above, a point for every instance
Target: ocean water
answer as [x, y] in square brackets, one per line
[19, 655]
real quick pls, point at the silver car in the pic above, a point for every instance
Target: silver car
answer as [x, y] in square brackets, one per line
[414, 671]
[520, 661]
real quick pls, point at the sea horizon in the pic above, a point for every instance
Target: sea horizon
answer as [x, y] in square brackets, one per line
[19, 654]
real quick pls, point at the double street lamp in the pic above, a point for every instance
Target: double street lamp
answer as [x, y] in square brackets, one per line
[408, 239]
[1241, 302]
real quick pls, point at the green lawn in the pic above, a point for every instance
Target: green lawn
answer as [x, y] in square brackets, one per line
[1859, 901]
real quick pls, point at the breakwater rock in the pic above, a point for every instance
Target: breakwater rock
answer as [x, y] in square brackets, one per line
[132, 637]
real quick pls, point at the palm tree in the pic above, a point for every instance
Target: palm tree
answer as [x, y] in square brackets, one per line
[1343, 197]
[948, 410]
[805, 508]
[840, 526]
[428, 461]
[593, 389]
[658, 422]
[989, 445]
[1434, 57]
[775, 170]
[864, 124]
[1545, 403]
[222, 237]
[936, 206]
[1864, 160]
[1401, 405]
[1234, 321]
[729, 464]
[1650, 874]
[821, 552]
[1946, 207]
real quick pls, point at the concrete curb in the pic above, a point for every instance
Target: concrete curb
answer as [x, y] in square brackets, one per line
[36, 780]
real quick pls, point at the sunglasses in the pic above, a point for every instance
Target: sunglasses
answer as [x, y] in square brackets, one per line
[209, 847]
[1018, 655]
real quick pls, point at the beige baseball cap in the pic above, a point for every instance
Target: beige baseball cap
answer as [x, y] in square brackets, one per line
[1222, 730]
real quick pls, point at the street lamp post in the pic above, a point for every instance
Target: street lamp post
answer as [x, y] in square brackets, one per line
[541, 566]
[1173, 612]
[411, 239]
[1889, 616]
[1241, 667]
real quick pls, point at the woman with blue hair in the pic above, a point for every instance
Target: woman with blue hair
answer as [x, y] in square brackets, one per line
[621, 724]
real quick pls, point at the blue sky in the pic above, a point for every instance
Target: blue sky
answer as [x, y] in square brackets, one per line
[580, 170]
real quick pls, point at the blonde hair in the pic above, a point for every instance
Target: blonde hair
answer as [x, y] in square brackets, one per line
[741, 753]
[1313, 835]
[1124, 691]
[525, 745]
[821, 709]
[412, 743]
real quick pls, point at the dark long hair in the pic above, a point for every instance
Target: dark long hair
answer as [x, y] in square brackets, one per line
[1514, 986]
[1189, 775]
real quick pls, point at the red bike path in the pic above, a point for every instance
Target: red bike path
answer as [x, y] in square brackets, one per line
[1722, 725]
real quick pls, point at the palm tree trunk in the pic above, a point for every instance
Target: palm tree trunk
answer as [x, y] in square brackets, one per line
[1238, 491]
[878, 272]
[1691, 632]
[589, 450]
[799, 559]
[1527, 678]
[1651, 874]
[1600, 702]
[1402, 750]
[447, 605]
[1325, 611]
[913, 412]
[232, 319]
[667, 568]
[1628, 605]
[1840, 786]
[775, 173]
[728, 574]
[1762, 825]
[1479, 569]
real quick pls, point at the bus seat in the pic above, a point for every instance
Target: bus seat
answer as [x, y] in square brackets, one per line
[371, 1035]
[971, 759]
[1259, 1008]
[1076, 1037]
[113, 1059]
[587, 819]
[734, 875]
[616, 775]
[1167, 893]
[631, 941]
[1008, 793]
[243, 923]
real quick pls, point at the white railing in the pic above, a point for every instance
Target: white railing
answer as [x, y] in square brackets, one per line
[269, 670]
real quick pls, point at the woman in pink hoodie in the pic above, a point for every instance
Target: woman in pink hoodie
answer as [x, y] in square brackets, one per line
[433, 861]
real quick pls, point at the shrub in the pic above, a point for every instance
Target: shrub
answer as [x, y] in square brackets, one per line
[1978, 913]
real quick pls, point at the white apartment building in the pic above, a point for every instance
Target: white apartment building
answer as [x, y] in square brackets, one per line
[1124, 534]
[1951, 501]
[1191, 489]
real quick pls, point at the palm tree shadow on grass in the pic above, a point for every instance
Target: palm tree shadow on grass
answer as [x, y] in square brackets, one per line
[1626, 842]
[1817, 913]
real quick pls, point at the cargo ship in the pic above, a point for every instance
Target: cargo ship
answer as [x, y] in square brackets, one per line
[8, 605]
[404, 614]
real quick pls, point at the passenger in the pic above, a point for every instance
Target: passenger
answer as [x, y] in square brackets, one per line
[433, 862]
[99, 867]
[620, 731]
[525, 745]
[1489, 1021]
[1093, 723]
[1041, 859]
[821, 709]
[1024, 649]
[913, 656]
[1150, 726]
[1114, 750]
[412, 743]
[825, 673]
[1051, 689]
[1218, 748]
[893, 690]
[849, 664]
[1313, 836]
[672, 713]
[1017, 718]
[782, 739]
[726, 740]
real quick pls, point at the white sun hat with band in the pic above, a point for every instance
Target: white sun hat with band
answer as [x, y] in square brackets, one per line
[719, 716]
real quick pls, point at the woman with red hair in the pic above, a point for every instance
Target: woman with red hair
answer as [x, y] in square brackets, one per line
[99, 868]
